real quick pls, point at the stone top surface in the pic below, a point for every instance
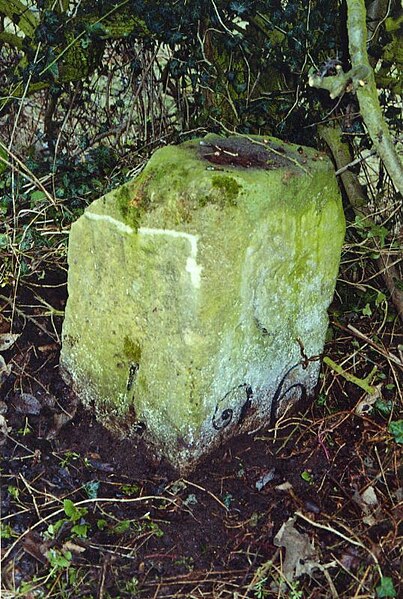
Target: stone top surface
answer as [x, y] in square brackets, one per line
[254, 152]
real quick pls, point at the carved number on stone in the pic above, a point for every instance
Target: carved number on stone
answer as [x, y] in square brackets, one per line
[280, 394]
[133, 370]
[222, 420]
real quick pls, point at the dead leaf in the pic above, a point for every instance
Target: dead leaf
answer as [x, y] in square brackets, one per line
[366, 405]
[45, 398]
[369, 497]
[299, 551]
[367, 501]
[287, 486]
[25, 403]
[266, 478]
[34, 546]
[73, 547]
[60, 420]
[4, 430]
[351, 558]
[5, 370]
[7, 340]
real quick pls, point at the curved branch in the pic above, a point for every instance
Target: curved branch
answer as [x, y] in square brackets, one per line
[367, 94]
[359, 202]
[361, 80]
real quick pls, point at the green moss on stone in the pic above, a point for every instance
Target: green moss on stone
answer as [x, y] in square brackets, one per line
[224, 192]
[228, 186]
[122, 195]
[129, 204]
[132, 350]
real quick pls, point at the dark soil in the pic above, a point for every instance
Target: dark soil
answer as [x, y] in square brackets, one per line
[150, 533]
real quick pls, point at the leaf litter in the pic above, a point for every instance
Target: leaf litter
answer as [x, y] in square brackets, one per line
[246, 522]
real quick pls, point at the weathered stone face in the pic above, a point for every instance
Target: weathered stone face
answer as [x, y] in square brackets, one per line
[198, 292]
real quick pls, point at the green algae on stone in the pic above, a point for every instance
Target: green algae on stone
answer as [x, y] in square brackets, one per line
[132, 349]
[194, 314]
[228, 187]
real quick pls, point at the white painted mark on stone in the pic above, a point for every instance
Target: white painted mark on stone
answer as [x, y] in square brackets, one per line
[109, 219]
[192, 267]
[191, 264]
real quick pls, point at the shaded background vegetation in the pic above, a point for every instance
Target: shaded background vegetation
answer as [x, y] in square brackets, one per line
[88, 90]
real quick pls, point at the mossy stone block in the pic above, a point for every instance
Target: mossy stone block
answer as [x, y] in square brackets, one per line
[198, 292]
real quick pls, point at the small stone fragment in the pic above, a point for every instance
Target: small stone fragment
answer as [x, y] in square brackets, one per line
[266, 478]
[25, 403]
[7, 340]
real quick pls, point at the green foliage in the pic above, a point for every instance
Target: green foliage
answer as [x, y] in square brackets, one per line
[131, 587]
[92, 488]
[368, 230]
[4, 240]
[391, 49]
[3, 158]
[72, 512]
[227, 500]
[121, 527]
[385, 588]
[384, 407]
[80, 530]
[59, 559]
[25, 430]
[130, 490]
[295, 592]
[138, 527]
[396, 429]
[7, 531]
[14, 492]
[307, 477]
[259, 589]
[102, 523]
[186, 562]
[68, 458]
[321, 399]
[54, 529]
[74, 521]
[251, 48]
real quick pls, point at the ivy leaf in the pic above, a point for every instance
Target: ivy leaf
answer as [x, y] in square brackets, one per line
[53, 69]
[91, 488]
[396, 429]
[59, 560]
[72, 511]
[81, 530]
[384, 407]
[381, 297]
[386, 588]
[4, 240]
[97, 30]
[367, 310]
[37, 196]
[239, 8]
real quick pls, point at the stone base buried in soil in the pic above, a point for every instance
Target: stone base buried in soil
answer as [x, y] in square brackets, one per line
[198, 292]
